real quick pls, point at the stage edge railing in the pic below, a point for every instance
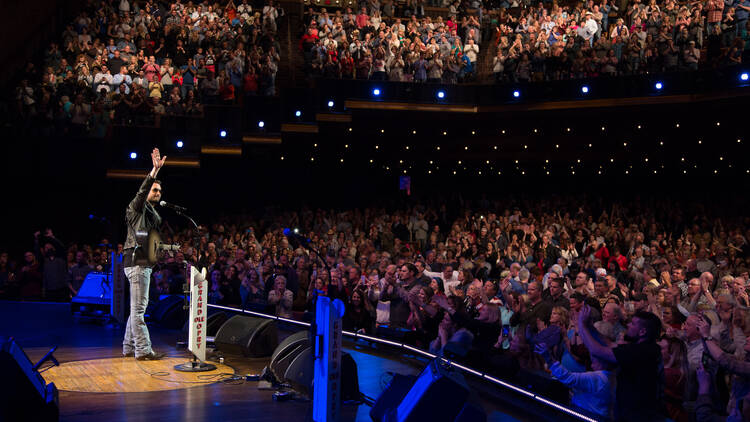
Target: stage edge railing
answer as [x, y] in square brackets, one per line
[403, 346]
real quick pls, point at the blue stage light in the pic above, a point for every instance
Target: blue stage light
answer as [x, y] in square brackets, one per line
[516, 93]
[585, 89]
[658, 85]
[441, 94]
[330, 103]
[133, 155]
[180, 144]
[261, 124]
[223, 133]
[298, 113]
[376, 92]
[744, 76]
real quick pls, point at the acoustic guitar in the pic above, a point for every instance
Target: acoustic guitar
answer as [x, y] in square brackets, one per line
[151, 246]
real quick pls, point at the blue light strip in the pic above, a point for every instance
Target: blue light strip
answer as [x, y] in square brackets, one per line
[463, 368]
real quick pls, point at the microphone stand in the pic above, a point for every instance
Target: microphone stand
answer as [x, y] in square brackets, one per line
[194, 365]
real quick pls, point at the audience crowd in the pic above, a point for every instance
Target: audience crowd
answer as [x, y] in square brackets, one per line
[387, 40]
[614, 37]
[131, 61]
[640, 309]
[373, 44]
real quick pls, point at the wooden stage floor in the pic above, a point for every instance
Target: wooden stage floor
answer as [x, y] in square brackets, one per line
[97, 384]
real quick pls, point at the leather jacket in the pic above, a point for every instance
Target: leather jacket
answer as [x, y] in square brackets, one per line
[140, 216]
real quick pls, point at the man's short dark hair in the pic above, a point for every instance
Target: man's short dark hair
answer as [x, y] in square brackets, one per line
[559, 281]
[578, 297]
[157, 181]
[651, 323]
[411, 268]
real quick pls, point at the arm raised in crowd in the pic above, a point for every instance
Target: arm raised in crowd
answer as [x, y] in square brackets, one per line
[589, 382]
[596, 349]
[734, 366]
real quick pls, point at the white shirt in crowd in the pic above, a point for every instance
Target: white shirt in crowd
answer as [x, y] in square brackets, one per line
[471, 51]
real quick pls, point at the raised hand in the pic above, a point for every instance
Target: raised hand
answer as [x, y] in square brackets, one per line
[440, 301]
[742, 296]
[584, 314]
[504, 283]
[703, 327]
[157, 160]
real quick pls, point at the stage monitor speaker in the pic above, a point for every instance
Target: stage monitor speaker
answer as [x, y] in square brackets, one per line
[544, 385]
[292, 362]
[349, 378]
[252, 337]
[287, 351]
[438, 394]
[96, 289]
[25, 396]
[391, 396]
[169, 312]
[300, 371]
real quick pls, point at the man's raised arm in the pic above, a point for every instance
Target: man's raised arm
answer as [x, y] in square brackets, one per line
[140, 198]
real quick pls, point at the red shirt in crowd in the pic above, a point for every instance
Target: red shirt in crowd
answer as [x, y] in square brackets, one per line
[622, 262]
[227, 92]
[602, 254]
[307, 39]
[250, 82]
[362, 20]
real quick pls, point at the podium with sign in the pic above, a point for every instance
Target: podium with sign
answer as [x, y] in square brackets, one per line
[327, 366]
[198, 323]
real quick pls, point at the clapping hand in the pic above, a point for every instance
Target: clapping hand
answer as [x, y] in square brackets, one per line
[703, 327]
[665, 277]
[504, 283]
[440, 301]
[743, 298]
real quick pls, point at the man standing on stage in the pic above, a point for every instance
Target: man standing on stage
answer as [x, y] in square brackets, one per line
[141, 216]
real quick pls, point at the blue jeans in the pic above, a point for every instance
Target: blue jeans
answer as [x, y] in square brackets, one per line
[136, 332]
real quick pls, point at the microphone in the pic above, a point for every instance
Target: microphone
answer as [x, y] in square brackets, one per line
[296, 239]
[173, 206]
